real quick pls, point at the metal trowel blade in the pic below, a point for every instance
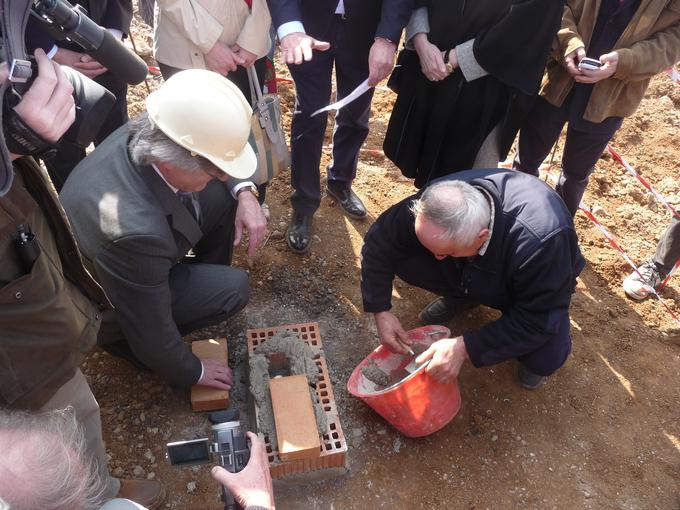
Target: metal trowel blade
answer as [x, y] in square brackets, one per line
[412, 367]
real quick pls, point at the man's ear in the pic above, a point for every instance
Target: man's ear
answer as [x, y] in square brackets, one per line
[483, 235]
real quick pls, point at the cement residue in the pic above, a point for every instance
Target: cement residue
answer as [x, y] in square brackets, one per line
[375, 375]
[300, 357]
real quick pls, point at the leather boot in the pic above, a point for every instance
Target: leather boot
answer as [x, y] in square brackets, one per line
[148, 493]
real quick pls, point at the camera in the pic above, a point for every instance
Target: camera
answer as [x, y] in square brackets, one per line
[591, 64]
[227, 446]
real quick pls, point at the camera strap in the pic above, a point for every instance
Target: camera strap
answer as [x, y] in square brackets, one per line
[13, 16]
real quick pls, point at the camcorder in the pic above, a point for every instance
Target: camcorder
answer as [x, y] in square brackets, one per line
[93, 102]
[227, 446]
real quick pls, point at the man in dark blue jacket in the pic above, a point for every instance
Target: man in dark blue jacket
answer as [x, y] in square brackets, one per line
[360, 38]
[492, 237]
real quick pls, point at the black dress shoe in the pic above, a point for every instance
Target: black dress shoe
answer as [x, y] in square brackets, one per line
[349, 201]
[299, 233]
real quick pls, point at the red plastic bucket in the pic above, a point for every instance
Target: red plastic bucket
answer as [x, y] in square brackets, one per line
[419, 404]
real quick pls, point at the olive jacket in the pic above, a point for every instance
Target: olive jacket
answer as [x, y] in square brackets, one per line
[50, 312]
[649, 44]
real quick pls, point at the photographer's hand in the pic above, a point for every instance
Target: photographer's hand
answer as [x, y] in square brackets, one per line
[252, 486]
[48, 106]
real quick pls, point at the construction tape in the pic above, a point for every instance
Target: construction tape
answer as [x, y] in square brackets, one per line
[658, 196]
[154, 70]
[616, 246]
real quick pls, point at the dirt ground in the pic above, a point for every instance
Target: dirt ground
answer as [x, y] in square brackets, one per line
[604, 432]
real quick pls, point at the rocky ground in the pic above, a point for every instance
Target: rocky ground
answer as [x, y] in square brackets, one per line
[604, 432]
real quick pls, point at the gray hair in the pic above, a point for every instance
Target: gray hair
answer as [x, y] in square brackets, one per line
[148, 144]
[44, 463]
[456, 206]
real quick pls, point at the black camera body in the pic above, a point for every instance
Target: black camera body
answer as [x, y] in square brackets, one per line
[227, 446]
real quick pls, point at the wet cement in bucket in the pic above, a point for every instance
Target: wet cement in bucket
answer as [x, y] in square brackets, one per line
[382, 379]
[300, 359]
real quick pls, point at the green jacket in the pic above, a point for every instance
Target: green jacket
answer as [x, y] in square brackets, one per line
[49, 317]
[649, 44]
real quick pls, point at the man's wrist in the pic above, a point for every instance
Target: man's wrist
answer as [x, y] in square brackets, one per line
[249, 188]
[290, 28]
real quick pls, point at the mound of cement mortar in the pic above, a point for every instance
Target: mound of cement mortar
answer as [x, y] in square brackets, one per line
[301, 360]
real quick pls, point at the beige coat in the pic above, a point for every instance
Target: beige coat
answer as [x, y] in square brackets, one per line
[650, 44]
[185, 30]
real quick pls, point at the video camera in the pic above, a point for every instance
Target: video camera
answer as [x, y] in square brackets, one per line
[227, 446]
[93, 102]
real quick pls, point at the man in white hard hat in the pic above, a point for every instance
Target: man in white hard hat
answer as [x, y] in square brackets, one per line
[158, 189]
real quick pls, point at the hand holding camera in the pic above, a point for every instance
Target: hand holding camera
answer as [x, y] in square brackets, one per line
[47, 107]
[591, 72]
[252, 486]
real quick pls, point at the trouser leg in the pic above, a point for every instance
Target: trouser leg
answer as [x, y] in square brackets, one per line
[351, 122]
[77, 393]
[167, 71]
[206, 294]
[313, 89]
[668, 249]
[550, 356]
[581, 152]
[538, 134]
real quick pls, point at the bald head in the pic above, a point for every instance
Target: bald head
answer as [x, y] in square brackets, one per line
[459, 210]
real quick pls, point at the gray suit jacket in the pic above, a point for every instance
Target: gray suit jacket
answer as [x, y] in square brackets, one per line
[132, 229]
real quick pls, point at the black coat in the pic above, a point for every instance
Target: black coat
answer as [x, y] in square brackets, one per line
[438, 127]
[366, 19]
[528, 271]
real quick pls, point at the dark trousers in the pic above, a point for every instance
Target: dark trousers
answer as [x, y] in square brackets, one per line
[538, 134]
[420, 272]
[240, 79]
[668, 249]
[313, 89]
[70, 154]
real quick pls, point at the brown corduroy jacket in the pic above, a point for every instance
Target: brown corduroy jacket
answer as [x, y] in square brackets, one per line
[649, 44]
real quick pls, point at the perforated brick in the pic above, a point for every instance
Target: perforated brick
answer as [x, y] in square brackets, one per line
[333, 443]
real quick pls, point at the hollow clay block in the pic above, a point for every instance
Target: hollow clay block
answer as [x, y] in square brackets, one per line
[204, 398]
[298, 437]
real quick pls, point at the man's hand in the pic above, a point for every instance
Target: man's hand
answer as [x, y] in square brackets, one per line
[431, 59]
[390, 331]
[610, 62]
[81, 62]
[222, 59]
[380, 60]
[446, 358]
[570, 62]
[297, 47]
[248, 57]
[216, 375]
[48, 106]
[249, 216]
[253, 485]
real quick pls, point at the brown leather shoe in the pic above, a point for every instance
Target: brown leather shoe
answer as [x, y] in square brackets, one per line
[148, 493]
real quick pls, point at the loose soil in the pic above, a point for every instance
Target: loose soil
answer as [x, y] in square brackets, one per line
[603, 432]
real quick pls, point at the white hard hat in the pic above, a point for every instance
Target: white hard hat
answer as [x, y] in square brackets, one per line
[206, 114]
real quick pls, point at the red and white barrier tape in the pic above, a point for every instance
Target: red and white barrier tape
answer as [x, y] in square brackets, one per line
[614, 244]
[658, 196]
[674, 75]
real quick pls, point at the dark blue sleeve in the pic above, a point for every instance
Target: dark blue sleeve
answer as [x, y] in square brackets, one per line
[394, 17]
[118, 15]
[283, 11]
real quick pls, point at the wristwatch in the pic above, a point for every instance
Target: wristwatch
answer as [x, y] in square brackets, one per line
[252, 188]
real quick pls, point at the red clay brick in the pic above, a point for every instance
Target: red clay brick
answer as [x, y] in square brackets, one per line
[204, 398]
[296, 431]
